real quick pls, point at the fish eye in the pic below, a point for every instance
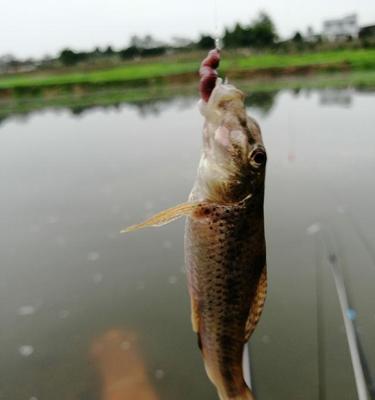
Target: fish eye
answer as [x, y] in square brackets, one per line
[258, 158]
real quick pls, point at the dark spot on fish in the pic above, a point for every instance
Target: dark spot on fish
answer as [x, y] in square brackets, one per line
[227, 319]
[225, 341]
[228, 375]
[226, 359]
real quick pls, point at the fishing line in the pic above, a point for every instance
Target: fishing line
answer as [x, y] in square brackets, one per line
[216, 27]
[346, 212]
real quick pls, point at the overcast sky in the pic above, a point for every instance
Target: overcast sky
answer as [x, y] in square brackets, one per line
[39, 27]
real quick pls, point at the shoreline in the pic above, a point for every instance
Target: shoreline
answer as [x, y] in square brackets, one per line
[80, 100]
[173, 71]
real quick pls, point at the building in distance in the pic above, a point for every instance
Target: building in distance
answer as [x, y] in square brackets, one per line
[341, 29]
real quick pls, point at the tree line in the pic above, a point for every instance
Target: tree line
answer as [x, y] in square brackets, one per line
[261, 33]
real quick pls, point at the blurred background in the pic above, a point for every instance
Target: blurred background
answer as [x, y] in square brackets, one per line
[99, 128]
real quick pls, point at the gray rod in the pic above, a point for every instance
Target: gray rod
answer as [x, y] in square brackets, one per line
[349, 329]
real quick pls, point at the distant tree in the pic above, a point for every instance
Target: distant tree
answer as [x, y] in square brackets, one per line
[135, 41]
[97, 51]
[147, 42]
[264, 32]
[68, 57]
[145, 47]
[238, 37]
[108, 51]
[130, 52]
[298, 41]
[260, 33]
[153, 51]
[367, 36]
[367, 32]
[206, 42]
[319, 39]
[297, 38]
[262, 101]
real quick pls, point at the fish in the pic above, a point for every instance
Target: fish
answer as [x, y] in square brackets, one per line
[225, 246]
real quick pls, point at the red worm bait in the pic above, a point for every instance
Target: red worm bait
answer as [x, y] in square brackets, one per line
[208, 74]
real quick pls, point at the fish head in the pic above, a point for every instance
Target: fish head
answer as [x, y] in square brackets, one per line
[234, 157]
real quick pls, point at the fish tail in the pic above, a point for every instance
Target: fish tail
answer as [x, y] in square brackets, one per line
[242, 393]
[227, 376]
[245, 395]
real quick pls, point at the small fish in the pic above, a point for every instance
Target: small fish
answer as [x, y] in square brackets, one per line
[225, 249]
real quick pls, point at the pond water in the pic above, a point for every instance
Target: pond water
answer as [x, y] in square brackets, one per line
[87, 313]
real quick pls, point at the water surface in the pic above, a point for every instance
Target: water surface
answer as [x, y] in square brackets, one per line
[76, 295]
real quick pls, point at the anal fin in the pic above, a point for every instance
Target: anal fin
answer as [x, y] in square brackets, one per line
[194, 313]
[256, 307]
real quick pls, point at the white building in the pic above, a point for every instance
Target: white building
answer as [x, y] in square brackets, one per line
[336, 29]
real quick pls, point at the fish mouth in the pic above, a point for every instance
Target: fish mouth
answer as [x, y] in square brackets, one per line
[223, 97]
[226, 138]
[210, 83]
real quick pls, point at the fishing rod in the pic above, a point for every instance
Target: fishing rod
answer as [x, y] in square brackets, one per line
[320, 332]
[361, 371]
[349, 327]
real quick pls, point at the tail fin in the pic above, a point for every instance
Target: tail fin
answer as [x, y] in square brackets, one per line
[246, 395]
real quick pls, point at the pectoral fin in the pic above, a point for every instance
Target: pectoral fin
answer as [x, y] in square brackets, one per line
[198, 210]
[165, 217]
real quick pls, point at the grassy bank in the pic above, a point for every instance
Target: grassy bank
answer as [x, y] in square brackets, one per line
[173, 70]
[78, 102]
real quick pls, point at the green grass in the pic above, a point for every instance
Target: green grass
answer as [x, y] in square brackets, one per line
[161, 71]
[21, 105]
[357, 59]
[142, 71]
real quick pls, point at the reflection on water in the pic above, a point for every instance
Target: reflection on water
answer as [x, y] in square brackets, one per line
[144, 108]
[68, 186]
[155, 105]
[262, 101]
[336, 97]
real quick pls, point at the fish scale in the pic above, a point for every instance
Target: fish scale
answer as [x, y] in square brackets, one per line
[225, 250]
[225, 256]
